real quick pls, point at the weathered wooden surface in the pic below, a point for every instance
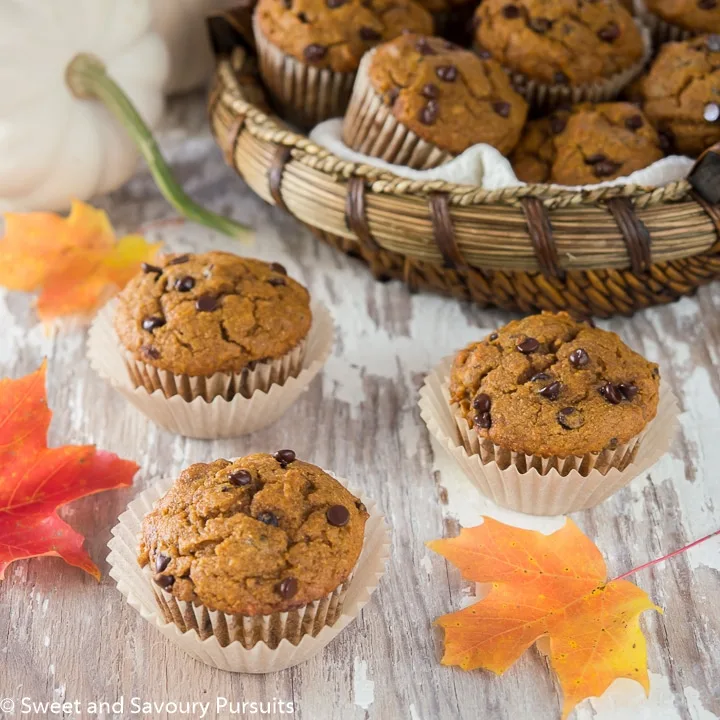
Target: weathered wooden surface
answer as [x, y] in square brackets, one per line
[64, 637]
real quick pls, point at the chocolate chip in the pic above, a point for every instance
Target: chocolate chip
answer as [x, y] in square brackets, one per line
[150, 323]
[447, 73]
[528, 345]
[482, 402]
[334, 4]
[579, 358]
[627, 390]
[570, 418]
[551, 391]
[277, 282]
[148, 268]
[368, 34]
[540, 25]
[288, 587]
[561, 78]
[609, 33]
[595, 159]
[540, 376]
[430, 91]
[185, 284]
[711, 112]
[285, 457]
[392, 95]
[149, 351]
[315, 52]
[179, 260]
[161, 562]
[424, 47]
[483, 420]
[557, 124]
[707, 4]
[610, 393]
[511, 12]
[268, 518]
[482, 53]
[493, 336]
[666, 140]
[240, 478]
[605, 168]
[634, 122]
[502, 108]
[713, 43]
[338, 515]
[429, 114]
[206, 303]
[278, 268]
[287, 4]
[164, 581]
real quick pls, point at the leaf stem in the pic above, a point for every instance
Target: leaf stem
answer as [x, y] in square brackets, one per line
[87, 77]
[668, 556]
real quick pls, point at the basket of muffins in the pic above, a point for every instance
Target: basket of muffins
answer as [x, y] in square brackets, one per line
[526, 154]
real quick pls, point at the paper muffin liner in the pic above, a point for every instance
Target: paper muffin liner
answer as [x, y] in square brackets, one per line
[548, 96]
[218, 417]
[215, 638]
[660, 30]
[544, 486]
[370, 128]
[304, 95]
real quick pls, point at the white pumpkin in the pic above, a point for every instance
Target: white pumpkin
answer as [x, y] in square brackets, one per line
[54, 146]
[181, 24]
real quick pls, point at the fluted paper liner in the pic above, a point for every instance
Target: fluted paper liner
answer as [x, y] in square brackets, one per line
[661, 30]
[304, 95]
[208, 634]
[543, 491]
[196, 417]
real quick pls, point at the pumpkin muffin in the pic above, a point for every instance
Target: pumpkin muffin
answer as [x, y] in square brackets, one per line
[681, 94]
[680, 19]
[586, 145]
[309, 50]
[565, 45]
[419, 101]
[212, 315]
[253, 538]
[547, 386]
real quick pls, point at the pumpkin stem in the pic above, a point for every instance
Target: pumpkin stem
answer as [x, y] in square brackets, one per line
[87, 78]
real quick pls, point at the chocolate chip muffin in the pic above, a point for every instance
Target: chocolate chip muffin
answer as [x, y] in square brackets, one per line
[680, 19]
[309, 50]
[238, 322]
[419, 101]
[681, 94]
[562, 49]
[586, 145]
[253, 538]
[547, 386]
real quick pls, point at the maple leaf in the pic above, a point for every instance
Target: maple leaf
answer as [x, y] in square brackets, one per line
[36, 480]
[545, 586]
[76, 262]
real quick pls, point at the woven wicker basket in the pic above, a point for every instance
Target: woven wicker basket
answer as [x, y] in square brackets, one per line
[598, 252]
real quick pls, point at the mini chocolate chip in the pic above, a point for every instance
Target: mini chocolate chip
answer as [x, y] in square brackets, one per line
[334, 4]
[540, 25]
[610, 393]
[288, 587]
[551, 391]
[613, 443]
[429, 114]
[540, 376]
[164, 581]
[482, 53]
[287, 4]
[707, 4]
[605, 168]
[368, 34]
[268, 518]
[713, 43]
[711, 112]
[430, 91]
[493, 336]
[150, 352]
[595, 159]
[502, 108]
[666, 140]
[511, 12]
[482, 402]
[315, 52]
[609, 33]
[148, 268]
[392, 95]
[185, 284]
[240, 478]
[161, 562]
[570, 418]
[561, 78]
[285, 457]
[634, 122]
[206, 303]
[579, 358]
[278, 268]
[627, 390]
[447, 73]
[338, 515]
[528, 345]
[483, 420]
[179, 260]
[424, 47]
[557, 124]
[277, 282]
[150, 323]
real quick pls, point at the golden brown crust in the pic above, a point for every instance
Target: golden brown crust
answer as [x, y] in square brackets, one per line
[559, 41]
[586, 145]
[681, 94]
[696, 15]
[234, 535]
[214, 312]
[335, 34]
[534, 416]
[446, 95]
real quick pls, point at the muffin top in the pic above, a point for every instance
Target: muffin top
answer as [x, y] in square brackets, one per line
[550, 386]
[262, 534]
[586, 145]
[559, 41]
[335, 34]
[447, 95]
[681, 93]
[695, 15]
[214, 312]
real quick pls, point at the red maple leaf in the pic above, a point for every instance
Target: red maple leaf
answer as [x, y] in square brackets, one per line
[36, 480]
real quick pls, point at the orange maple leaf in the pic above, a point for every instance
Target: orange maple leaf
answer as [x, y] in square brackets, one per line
[545, 586]
[76, 262]
[36, 480]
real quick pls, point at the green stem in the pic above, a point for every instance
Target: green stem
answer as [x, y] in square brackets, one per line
[88, 79]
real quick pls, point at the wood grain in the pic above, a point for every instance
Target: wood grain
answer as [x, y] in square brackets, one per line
[62, 636]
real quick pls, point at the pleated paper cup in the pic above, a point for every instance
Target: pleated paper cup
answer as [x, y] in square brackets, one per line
[304, 95]
[193, 407]
[228, 642]
[660, 30]
[547, 486]
[369, 127]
